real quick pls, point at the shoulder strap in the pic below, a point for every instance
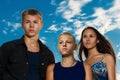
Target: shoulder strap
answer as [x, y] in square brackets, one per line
[102, 57]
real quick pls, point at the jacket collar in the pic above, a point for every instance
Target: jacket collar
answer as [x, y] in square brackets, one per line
[22, 42]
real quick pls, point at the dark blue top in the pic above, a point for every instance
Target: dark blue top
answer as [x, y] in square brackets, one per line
[33, 66]
[76, 72]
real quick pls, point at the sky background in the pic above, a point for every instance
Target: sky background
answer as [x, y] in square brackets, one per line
[63, 15]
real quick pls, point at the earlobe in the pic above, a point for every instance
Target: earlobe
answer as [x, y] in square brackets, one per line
[97, 41]
[22, 24]
[41, 25]
[75, 46]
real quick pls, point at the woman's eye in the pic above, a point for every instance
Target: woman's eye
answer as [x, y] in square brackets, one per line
[60, 42]
[91, 36]
[69, 42]
[84, 36]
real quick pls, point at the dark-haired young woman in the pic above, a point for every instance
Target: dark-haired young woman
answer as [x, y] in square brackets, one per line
[99, 54]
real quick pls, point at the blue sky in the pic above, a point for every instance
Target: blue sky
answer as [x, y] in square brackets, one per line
[63, 15]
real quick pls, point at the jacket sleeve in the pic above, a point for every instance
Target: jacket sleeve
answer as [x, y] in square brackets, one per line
[4, 50]
[0, 65]
[51, 58]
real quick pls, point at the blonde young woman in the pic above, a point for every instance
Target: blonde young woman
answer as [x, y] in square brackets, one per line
[68, 68]
[99, 54]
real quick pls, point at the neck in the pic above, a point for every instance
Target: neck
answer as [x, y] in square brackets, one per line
[32, 43]
[92, 52]
[27, 38]
[68, 62]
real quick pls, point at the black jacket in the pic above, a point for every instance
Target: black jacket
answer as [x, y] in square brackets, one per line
[0, 65]
[14, 60]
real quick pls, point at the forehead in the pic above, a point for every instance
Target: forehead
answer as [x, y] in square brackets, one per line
[32, 16]
[89, 31]
[65, 36]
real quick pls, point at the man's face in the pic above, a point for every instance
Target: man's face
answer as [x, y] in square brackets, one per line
[31, 25]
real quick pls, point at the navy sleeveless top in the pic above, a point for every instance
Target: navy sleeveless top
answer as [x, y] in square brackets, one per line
[75, 72]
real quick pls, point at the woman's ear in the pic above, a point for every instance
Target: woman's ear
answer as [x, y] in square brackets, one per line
[98, 41]
[75, 46]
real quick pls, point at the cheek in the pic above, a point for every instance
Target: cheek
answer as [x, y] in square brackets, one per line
[74, 47]
[95, 41]
[38, 27]
[25, 26]
[59, 47]
[83, 41]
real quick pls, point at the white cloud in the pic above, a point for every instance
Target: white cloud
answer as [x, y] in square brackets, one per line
[71, 8]
[76, 55]
[62, 27]
[4, 31]
[118, 76]
[77, 24]
[53, 2]
[43, 39]
[118, 55]
[78, 32]
[53, 28]
[15, 26]
[67, 28]
[11, 26]
[105, 21]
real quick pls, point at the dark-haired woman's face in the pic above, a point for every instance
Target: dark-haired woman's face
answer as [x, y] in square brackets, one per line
[89, 39]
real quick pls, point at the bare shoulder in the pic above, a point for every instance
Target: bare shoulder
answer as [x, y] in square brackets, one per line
[49, 72]
[108, 58]
[50, 67]
[86, 64]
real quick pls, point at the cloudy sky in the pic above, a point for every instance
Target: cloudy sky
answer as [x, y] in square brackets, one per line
[63, 15]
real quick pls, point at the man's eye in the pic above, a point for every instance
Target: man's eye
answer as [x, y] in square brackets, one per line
[35, 22]
[27, 22]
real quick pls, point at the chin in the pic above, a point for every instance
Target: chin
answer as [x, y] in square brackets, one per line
[65, 55]
[31, 35]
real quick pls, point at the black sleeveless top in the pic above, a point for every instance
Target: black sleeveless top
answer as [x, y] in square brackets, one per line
[33, 72]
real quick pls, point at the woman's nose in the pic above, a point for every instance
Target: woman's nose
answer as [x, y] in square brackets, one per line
[64, 44]
[87, 38]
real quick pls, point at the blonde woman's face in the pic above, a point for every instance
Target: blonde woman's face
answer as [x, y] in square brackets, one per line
[66, 45]
[89, 39]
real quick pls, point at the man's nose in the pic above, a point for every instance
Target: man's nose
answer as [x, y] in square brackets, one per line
[31, 24]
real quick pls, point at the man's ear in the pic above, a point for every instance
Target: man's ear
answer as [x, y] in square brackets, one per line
[22, 24]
